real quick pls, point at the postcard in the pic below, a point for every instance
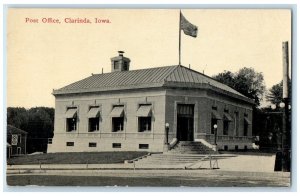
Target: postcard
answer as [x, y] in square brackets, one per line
[149, 97]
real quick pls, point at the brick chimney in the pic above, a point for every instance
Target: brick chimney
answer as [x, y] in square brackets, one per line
[120, 63]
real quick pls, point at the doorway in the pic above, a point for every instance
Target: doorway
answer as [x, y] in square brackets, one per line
[185, 122]
[18, 150]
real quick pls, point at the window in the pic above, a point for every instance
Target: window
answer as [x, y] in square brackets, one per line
[144, 114]
[236, 125]
[71, 124]
[117, 115]
[70, 143]
[20, 139]
[92, 144]
[245, 128]
[14, 139]
[225, 147]
[247, 122]
[118, 124]
[143, 146]
[144, 124]
[213, 122]
[227, 118]
[225, 127]
[93, 124]
[49, 140]
[215, 116]
[116, 145]
[93, 115]
[125, 67]
[116, 65]
[71, 119]
[236, 147]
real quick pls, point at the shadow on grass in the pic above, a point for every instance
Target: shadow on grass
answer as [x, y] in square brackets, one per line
[75, 158]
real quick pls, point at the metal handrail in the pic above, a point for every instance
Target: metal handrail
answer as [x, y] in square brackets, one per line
[211, 166]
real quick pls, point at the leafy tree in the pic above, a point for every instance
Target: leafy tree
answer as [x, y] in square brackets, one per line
[38, 122]
[275, 93]
[226, 77]
[17, 117]
[246, 81]
[250, 83]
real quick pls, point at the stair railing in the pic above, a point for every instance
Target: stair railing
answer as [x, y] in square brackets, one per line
[212, 163]
[173, 143]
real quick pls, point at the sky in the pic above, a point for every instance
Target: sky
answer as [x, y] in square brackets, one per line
[46, 56]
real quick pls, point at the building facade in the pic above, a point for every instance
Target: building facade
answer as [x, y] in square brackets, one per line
[128, 111]
[16, 141]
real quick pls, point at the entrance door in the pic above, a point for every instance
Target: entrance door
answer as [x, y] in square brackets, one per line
[18, 150]
[185, 122]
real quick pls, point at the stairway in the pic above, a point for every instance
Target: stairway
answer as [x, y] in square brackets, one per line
[182, 154]
[190, 147]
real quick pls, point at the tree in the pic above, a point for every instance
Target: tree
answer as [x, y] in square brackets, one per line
[38, 122]
[17, 117]
[250, 83]
[40, 125]
[275, 93]
[246, 81]
[226, 77]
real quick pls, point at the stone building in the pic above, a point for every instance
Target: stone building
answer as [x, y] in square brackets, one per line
[128, 111]
[16, 141]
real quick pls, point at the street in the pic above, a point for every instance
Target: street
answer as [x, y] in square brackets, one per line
[151, 178]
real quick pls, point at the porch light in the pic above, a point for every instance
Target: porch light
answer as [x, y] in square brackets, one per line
[167, 135]
[281, 105]
[273, 106]
[167, 125]
[215, 132]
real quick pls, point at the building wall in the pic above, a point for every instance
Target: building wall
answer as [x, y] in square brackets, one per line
[203, 102]
[164, 104]
[21, 144]
[234, 139]
[197, 98]
[130, 138]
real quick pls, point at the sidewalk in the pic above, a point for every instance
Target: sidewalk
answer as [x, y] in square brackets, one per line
[237, 165]
[249, 163]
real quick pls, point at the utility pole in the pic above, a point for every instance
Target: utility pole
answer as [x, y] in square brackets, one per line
[285, 116]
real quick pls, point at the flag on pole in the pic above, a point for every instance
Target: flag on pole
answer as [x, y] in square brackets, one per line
[187, 27]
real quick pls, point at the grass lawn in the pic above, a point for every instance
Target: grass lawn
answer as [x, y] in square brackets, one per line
[75, 158]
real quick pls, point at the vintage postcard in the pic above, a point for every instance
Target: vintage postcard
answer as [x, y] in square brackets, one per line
[149, 97]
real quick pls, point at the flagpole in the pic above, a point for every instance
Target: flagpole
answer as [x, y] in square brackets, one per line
[180, 37]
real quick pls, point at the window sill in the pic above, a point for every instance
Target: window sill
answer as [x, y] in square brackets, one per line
[72, 131]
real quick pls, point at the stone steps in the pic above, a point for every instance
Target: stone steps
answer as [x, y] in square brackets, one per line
[189, 147]
[183, 153]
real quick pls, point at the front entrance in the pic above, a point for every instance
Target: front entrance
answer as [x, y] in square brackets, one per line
[185, 122]
[19, 150]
